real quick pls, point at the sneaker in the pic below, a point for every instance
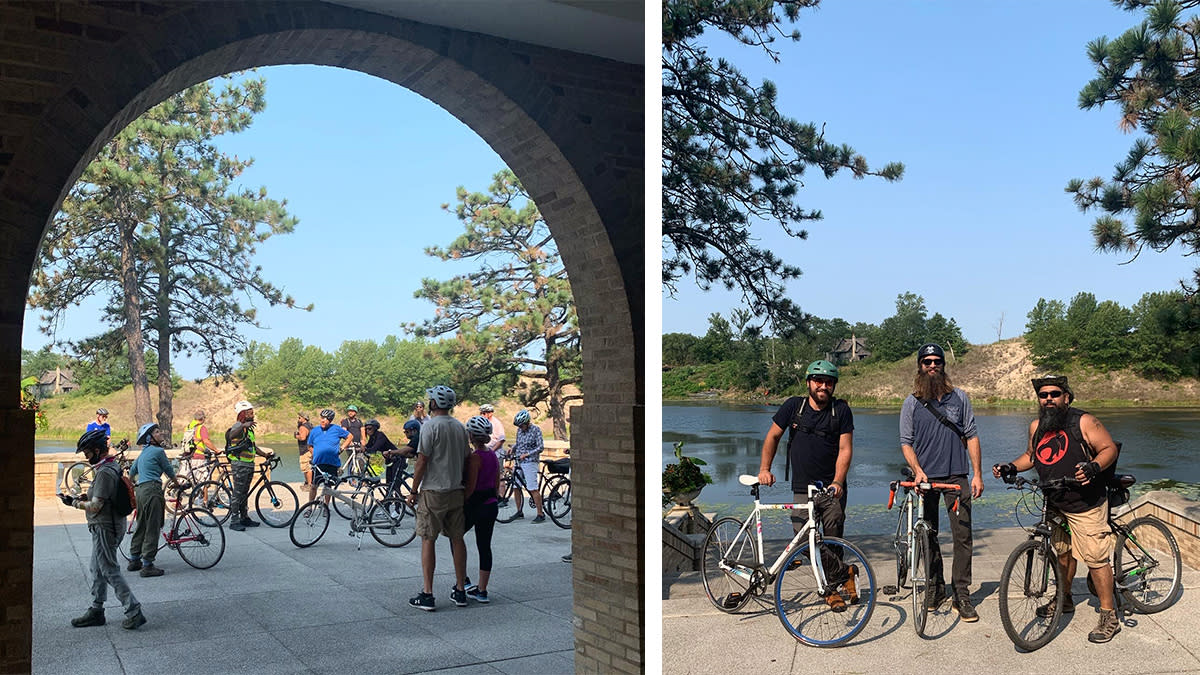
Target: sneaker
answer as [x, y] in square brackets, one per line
[458, 597]
[1108, 627]
[250, 523]
[134, 565]
[1047, 609]
[935, 595]
[519, 515]
[131, 623]
[423, 601]
[151, 571]
[849, 586]
[539, 519]
[966, 612]
[477, 595]
[467, 585]
[94, 616]
[237, 526]
[567, 558]
[835, 601]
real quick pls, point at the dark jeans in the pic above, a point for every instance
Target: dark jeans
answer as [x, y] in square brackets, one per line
[831, 514]
[243, 472]
[960, 530]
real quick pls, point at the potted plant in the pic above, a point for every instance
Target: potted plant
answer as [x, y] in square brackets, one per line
[683, 481]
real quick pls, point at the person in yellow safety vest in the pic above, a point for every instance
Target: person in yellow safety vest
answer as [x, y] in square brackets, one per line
[195, 443]
[240, 449]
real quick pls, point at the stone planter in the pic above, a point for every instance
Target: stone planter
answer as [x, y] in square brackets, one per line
[685, 498]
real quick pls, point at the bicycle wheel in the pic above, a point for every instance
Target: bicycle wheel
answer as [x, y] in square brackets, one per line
[802, 605]
[212, 496]
[77, 479]
[728, 562]
[1147, 566]
[1030, 580]
[199, 538]
[276, 503]
[558, 503]
[360, 489]
[310, 523]
[510, 501]
[922, 564]
[392, 522]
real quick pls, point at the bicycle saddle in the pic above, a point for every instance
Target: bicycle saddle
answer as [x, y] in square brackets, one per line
[748, 480]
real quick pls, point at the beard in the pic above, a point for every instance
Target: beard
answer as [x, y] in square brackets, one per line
[931, 386]
[1051, 419]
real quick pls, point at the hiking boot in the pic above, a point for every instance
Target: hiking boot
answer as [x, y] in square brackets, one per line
[567, 558]
[935, 595]
[477, 595]
[94, 616]
[539, 519]
[1108, 627]
[134, 565]
[132, 622]
[250, 523]
[151, 571]
[966, 612]
[423, 601]
[1047, 609]
[237, 526]
[849, 586]
[835, 601]
[459, 598]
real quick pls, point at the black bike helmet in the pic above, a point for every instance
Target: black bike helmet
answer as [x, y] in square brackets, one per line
[96, 438]
[930, 349]
[372, 423]
[328, 414]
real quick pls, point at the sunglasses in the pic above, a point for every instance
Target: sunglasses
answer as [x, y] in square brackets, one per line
[931, 362]
[826, 381]
[1049, 394]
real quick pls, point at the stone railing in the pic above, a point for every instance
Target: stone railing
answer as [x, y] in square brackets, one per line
[48, 468]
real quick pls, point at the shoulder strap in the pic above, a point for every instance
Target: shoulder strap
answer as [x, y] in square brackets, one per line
[941, 417]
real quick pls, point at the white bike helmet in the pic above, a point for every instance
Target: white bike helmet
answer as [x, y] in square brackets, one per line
[144, 433]
[242, 405]
[442, 396]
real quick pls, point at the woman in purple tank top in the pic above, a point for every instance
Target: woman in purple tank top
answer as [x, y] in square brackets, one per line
[480, 508]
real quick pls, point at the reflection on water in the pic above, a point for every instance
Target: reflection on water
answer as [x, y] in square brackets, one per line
[1158, 447]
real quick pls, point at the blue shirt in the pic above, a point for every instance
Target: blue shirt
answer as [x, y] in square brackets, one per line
[326, 444]
[150, 465]
[939, 450]
[92, 426]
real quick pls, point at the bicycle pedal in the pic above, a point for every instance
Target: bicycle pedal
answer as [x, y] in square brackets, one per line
[889, 590]
[732, 600]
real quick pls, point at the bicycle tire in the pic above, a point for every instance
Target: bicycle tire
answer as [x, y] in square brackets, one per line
[310, 524]
[1147, 566]
[922, 564]
[728, 561]
[1030, 579]
[276, 503]
[802, 608]
[214, 497]
[360, 495]
[126, 543]
[392, 523]
[198, 537]
[510, 501]
[558, 504]
[77, 479]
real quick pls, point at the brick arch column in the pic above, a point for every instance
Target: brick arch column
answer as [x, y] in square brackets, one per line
[570, 127]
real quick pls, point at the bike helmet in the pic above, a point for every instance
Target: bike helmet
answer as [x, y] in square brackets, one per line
[412, 425]
[1054, 380]
[351, 407]
[930, 349]
[479, 426]
[821, 367]
[241, 406]
[143, 437]
[96, 438]
[522, 417]
[303, 416]
[328, 414]
[101, 411]
[486, 408]
[372, 423]
[442, 396]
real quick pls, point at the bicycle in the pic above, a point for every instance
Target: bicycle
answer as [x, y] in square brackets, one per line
[194, 533]
[358, 465]
[78, 477]
[914, 542]
[734, 571]
[1147, 567]
[391, 521]
[275, 502]
[378, 490]
[556, 491]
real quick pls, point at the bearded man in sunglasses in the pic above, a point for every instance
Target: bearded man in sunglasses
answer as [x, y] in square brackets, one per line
[1066, 442]
[941, 445]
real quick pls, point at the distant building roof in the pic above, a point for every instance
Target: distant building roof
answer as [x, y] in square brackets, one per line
[57, 381]
[850, 349]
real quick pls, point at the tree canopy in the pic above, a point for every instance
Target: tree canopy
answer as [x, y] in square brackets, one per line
[731, 159]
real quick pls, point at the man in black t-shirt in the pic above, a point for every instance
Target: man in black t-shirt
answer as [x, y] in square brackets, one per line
[821, 445]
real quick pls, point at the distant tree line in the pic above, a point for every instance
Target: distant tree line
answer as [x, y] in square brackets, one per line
[1159, 337]
[734, 354]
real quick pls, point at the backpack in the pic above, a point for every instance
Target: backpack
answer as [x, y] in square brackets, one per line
[189, 436]
[796, 426]
[1117, 495]
[124, 502]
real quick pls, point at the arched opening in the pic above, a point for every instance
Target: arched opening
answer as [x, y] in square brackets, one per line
[569, 125]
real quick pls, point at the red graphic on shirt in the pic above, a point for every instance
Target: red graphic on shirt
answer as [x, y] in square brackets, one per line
[1052, 447]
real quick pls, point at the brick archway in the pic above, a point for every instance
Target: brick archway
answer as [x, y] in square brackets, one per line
[569, 125]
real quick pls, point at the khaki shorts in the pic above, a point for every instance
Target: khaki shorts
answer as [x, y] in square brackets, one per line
[306, 461]
[1090, 537]
[440, 512]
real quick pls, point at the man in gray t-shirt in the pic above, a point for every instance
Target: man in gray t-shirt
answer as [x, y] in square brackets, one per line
[439, 482]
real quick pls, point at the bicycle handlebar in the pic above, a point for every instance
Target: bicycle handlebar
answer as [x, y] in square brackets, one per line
[938, 487]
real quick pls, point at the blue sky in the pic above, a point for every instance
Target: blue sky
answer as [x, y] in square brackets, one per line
[979, 101]
[365, 165]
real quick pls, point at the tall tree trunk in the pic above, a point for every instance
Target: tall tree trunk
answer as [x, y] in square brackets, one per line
[166, 393]
[558, 413]
[132, 328]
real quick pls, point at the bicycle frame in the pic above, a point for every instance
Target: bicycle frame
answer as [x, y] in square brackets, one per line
[810, 530]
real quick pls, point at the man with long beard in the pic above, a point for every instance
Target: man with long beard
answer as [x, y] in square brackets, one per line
[1066, 442]
[941, 445]
[819, 450]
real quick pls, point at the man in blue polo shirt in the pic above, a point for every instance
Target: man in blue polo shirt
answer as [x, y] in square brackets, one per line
[326, 442]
